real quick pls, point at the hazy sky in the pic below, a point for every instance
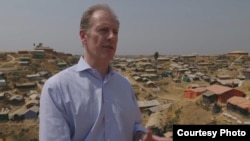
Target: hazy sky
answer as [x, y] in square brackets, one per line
[168, 26]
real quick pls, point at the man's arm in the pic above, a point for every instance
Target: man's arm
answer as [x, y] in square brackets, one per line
[148, 136]
[52, 122]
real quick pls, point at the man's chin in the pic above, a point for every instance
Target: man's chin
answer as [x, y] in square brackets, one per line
[108, 57]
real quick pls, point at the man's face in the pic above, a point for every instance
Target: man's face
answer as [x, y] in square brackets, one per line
[101, 38]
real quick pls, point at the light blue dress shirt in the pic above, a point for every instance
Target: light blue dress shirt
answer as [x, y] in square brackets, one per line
[77, 104]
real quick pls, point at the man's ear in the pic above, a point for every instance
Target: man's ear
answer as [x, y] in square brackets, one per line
[83, 36]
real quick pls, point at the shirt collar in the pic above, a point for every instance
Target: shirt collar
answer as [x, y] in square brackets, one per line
[82, 65]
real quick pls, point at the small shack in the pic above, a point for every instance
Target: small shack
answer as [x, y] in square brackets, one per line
[224, 93]
[192, 93]
[240, 105]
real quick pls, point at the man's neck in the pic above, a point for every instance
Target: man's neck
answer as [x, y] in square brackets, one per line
[100, 65]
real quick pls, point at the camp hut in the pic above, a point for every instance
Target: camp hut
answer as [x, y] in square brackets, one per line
[199, 74]
[151, 84]
[224, 93]
[147, 104]
[32, 112]
[237, 53]
[241, 77]
[8, 70]
[35, 96]
[229, 82]
[206, 78]
[177, 80]
[166, 74]
[2, 75]
[4, 114]
[192, 93]
[2, 79]
[145, 65]
[160, 108]
[38, 54]
[209, 97]
[138, 78]
[194, 69]
[33, 76]
[46, 49]
[42, 81]
[186, 79]
[18, 114]
[16, 99]
[193, 86]
[27, 85]
[23, 63]
[150, 76]
[62, 64]
[150, 71]
[204, 64]
[138, 69]
[23, 52]
[158, 67]
[246, 72]
[24, 60]
[44, 74]
[32, 103]
[2, 95]
[193, 77]
[163, 59]
[182, 70]
[145, 79]
[223, 77]
[239, 104]
[3, 82]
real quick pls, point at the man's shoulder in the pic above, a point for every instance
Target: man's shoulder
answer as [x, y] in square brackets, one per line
[117, 74]
[121, 76]
[63, 73]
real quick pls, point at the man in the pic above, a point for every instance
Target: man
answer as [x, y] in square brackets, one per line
[90, 101]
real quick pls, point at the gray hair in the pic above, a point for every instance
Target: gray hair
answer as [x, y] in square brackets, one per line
[89, 12]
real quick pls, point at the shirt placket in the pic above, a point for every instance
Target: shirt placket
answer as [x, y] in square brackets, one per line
[107, 114]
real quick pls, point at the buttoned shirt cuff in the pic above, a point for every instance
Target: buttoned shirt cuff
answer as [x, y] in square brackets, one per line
[139, 130]
[139, 127]
[138, 136]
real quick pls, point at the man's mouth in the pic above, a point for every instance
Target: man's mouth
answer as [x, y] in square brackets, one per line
[108, 47]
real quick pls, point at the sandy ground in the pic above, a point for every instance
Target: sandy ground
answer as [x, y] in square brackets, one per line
[190, 112]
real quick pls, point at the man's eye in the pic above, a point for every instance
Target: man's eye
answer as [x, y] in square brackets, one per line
[104, 30]
[115, 32]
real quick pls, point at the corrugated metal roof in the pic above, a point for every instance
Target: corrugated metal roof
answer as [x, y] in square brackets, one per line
[160, 107]
[16, 97]
[218, 89]
[34, 109]
[229, 81]
[32, 101]
[148, 103]
[240, 102]
[208, 93]
[199, 89]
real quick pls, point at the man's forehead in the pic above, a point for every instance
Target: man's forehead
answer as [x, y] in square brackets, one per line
[103, 16]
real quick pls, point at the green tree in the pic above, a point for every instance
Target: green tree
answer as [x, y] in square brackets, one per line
[156, 56]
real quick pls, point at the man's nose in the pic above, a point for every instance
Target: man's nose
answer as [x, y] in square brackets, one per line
[111, 35]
